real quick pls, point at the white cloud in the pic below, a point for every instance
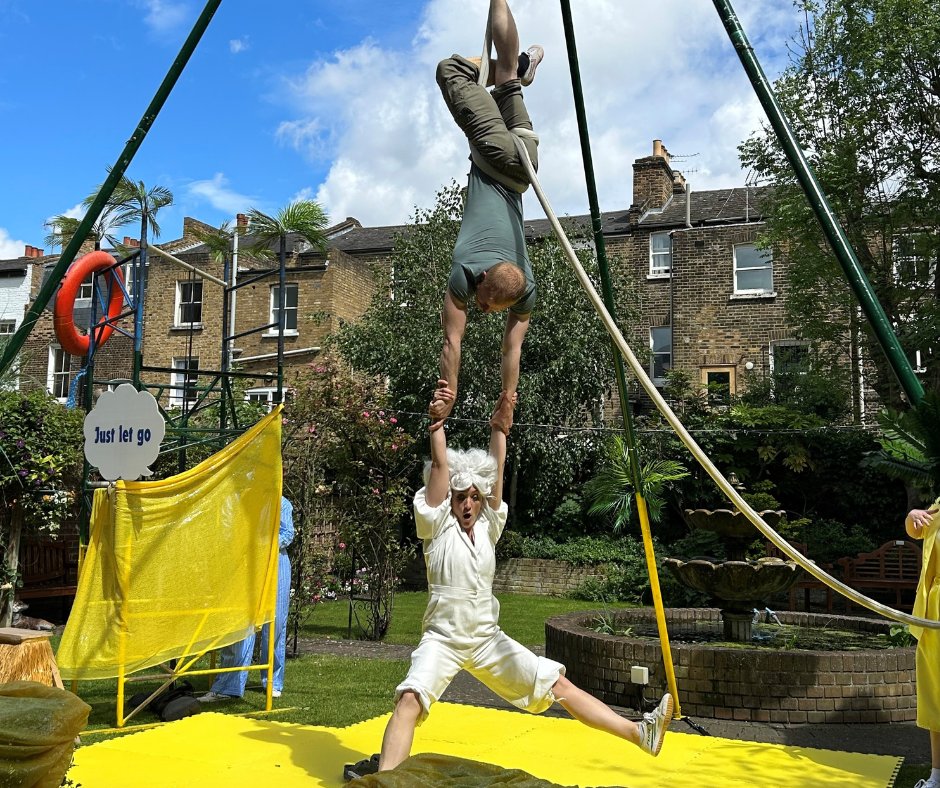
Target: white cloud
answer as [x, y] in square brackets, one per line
[218, 194]
[237, 45]
[665, 70]
[164, 17]
[10, 247]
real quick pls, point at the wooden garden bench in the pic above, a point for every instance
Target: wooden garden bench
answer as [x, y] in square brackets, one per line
[47, 570]
[892, 570]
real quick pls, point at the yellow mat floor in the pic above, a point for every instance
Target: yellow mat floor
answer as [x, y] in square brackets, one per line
[211, 749]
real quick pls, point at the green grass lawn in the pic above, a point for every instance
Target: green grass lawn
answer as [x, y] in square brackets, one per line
[522, 617]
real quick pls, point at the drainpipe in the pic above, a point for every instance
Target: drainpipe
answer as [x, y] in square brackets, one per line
[233, 280]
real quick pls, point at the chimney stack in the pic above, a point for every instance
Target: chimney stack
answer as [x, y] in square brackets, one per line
[652, 180]
[131, 243]
[33, 251]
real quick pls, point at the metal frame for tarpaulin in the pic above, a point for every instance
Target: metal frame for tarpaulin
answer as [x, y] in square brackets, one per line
[831, 227]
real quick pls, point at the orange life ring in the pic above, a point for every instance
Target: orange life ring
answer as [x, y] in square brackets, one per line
[63, 321]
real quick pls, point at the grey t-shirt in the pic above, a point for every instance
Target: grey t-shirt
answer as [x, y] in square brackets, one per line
[491, 232]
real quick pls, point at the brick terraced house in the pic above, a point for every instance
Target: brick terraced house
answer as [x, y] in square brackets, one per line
[712, 303]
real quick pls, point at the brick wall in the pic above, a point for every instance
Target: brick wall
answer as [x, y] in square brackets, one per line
[785, 686]
[541, 577]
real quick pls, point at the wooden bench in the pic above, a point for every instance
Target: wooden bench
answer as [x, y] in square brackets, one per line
[807, 583]
[894, 568]
[47, 570]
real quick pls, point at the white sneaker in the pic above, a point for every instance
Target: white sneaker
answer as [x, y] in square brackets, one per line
[214, 697]
[655, 724]
[535, 53]
[275, 693]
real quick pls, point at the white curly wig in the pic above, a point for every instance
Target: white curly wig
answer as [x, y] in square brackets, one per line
[468, 468]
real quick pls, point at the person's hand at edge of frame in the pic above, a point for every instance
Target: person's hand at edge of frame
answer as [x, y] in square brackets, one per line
[502, 413]
[442, 403]
[921, 517]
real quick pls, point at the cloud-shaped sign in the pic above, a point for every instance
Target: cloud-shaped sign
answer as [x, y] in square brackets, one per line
[123, 433]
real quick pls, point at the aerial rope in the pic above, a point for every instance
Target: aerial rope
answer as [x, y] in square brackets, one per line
[724, 485]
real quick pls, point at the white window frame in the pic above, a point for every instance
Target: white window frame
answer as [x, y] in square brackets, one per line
[661, 259]
[288, 310]
[657, 354]
[86, 289]
[897, 259]
[7, 327]
[129, 280]
[58, 380]
[178, 306]
[767, 265]
[185, 374]
[264, 395]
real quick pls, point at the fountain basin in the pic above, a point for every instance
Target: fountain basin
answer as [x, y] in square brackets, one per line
[742, 683]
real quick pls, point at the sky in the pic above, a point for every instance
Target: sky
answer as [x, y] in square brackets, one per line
[335, 100]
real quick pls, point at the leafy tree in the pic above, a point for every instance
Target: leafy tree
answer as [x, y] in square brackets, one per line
[812, 467]
[910, 445]
[862, 93]
[348, 463]
[40, 468]
[564, 373]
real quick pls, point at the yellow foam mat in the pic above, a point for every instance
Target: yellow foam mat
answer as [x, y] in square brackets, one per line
[211, 749]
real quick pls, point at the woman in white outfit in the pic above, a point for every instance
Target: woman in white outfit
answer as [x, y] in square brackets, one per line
[460, 515]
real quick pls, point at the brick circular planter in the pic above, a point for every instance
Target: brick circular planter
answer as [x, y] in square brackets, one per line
[758, 685]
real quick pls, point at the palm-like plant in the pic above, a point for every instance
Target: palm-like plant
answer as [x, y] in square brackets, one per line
[303, 217]
[218, 241]
[133, 201]
[910, 445]
[62, 228]
[612, 490]
[130, 201]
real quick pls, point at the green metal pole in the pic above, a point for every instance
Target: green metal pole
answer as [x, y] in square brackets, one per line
[608, 295]
[820, 205]
[606, 287]
[104, 194]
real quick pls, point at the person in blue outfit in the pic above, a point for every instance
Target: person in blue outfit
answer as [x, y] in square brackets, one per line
[232, 685]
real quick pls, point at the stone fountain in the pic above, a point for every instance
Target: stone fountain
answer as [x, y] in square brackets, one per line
[750, 680]
[737, 585]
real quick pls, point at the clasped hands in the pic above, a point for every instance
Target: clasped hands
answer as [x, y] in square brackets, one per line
[442, 403]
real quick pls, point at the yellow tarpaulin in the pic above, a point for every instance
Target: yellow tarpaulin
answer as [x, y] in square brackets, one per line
[178, 566]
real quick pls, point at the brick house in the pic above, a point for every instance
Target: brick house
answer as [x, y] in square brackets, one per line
[712, 303]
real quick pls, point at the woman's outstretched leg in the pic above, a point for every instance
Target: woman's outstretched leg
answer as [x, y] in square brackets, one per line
[648, 734]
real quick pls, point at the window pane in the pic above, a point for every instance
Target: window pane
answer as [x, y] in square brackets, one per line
[748, 256]
[755, 280]
[719, 386]
[790, 358]
[661, 365]
[660, 242]
[660, 253]
[7, 327]
[661, 338]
